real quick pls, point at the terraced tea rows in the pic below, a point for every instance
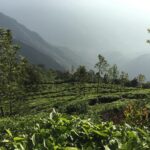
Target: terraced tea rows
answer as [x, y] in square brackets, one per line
[62, 96]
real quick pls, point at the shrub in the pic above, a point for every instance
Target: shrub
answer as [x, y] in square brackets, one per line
[108, 98]
[59, 132]
[103, 99]
[116, 115]
[93, 101]
[135, 95]
[137, 114]
[79, 108]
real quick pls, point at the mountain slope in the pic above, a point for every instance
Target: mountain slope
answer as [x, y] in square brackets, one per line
[139, 65]
[36, 49]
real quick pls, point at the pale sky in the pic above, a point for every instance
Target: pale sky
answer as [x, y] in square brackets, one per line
[141, 5]
[86, 25]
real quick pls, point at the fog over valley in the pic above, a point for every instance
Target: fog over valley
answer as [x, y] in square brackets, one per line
[115, 29]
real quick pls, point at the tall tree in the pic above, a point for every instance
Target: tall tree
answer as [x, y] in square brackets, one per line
[124, 78]
[81, 76]
[101, 67]
[10, 68]
[91, 76]
[106, 78]
[141, 79]
[113, 73]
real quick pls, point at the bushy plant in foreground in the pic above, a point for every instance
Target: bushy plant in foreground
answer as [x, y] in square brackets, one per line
[59, 132]
[137, 114]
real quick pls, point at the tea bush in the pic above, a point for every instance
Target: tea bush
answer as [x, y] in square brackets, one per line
[78, 108]
[135, 95]
[137, 114]
[104, 99]
[61, 132]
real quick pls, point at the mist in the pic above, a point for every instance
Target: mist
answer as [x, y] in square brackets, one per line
[90, 27]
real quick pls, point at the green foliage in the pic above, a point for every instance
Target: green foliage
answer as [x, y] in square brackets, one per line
[33, 75]
[11, 68]
[59, 132]
[113, 73]
[108, 98]
[141, 79]
[101, 65]
[135, 95]
[81, 74]
[16, 74]
[45, 89]
[146, 85]
[124, 78]
[104, 99]
[78, 108]
[133, 83]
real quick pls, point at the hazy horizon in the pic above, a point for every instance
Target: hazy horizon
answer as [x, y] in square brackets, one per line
[84, 25]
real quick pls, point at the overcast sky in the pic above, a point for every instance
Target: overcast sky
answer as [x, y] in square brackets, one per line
[86, 25]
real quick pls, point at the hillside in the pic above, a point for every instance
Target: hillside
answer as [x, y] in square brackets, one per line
[51, 110]
[36, 49]
[139, 65]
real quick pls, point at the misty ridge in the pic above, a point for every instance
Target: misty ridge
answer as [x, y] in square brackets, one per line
[88, 29]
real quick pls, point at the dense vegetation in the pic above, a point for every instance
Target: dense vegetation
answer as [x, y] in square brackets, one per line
[100, 109]
[71, 133]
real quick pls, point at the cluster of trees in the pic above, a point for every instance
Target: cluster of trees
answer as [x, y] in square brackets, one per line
[11, 69]
[111, 74]
[15, 72]
[103, 73]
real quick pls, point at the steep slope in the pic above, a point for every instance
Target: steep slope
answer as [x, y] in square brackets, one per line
[36, 49]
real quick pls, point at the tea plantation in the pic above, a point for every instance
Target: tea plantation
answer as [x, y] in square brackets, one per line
[114, 118]
[45, 109]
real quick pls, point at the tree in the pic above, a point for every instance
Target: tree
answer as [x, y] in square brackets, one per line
[91, 76]
[113, 73]
[141, 79]
[81, 76]
[134, 82]
[106, 78]
[33, 75]
[101, 66]
[10, 68]
[124, 78]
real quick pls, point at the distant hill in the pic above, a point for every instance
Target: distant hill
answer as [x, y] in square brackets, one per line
[37, 50]
[139, 65]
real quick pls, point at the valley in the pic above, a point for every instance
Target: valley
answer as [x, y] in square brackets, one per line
[74, 75]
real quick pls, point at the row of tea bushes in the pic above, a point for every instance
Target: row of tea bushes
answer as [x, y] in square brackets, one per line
[60, 132]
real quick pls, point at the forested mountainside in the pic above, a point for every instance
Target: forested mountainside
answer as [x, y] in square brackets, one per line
[37, 50]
